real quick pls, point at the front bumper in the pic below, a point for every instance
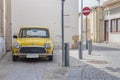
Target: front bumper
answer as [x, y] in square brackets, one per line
[32, 55]
[41, 54]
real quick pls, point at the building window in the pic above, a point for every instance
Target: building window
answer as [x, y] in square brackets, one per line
[107, 12]
[115, 25]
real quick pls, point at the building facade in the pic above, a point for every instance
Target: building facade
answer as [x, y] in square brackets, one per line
[1, 28]
[1, 18]
[109, 19]
[5, 25]
[112, 20]
[92, 25]
[97, 24]
[46, 13]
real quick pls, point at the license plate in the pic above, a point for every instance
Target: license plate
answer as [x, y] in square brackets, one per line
[32, 56]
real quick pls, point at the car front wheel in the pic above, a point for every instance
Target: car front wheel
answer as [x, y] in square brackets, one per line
[51, 58]
[14, 58]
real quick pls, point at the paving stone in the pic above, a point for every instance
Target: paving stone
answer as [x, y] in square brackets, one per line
[78, 69]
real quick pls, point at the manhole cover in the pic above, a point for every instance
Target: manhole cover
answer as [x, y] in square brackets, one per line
[97, 62]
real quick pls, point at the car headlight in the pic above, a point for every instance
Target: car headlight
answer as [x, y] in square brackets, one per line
[47, 45]
[17, 45]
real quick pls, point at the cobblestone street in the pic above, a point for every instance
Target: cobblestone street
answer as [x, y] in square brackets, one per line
[98, 66]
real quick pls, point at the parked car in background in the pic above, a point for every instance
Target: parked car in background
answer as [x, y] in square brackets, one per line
[33, 42]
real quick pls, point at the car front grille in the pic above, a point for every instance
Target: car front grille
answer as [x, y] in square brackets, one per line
[32, 50]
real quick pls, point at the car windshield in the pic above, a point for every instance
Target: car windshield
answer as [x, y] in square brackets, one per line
[34, 33]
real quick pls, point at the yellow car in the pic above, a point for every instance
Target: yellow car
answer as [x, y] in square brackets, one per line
[33, 42]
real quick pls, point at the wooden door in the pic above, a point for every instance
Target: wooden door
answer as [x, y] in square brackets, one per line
[106, 35]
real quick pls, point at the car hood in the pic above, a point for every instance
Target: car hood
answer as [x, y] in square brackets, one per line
[32, 41]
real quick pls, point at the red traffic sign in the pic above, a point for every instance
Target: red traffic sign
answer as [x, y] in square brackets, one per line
[86, 11]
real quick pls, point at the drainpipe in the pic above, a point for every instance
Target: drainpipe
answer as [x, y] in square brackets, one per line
[98, 21]
[4, 23]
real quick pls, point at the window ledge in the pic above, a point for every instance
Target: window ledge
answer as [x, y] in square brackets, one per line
[115, 32]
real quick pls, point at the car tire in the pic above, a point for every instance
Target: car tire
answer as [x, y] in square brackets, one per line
[51, 58]
[15, 58]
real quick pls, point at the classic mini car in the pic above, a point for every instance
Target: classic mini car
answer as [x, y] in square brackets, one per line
[33, 42]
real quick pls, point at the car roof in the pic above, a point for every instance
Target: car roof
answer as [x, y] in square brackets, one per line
[34, 27]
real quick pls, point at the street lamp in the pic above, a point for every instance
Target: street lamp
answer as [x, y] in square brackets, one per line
[63, 50]
[98, 21]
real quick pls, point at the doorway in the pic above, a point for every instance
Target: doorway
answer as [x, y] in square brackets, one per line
[106, 31]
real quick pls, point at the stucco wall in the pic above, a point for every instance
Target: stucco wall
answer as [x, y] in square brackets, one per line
[94, 25]
[46, 13]
[8, 33]
[114, 37]
[1, 17]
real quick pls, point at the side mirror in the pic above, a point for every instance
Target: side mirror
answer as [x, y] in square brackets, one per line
[14, 36]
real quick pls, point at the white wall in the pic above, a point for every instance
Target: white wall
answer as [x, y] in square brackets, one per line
[46, 13]
[114, 37]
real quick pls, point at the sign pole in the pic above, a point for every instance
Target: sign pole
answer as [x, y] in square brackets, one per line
[86, 34]
[86, 12]
[63, 50]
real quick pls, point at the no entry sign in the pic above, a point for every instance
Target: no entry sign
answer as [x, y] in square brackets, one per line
[86, 11]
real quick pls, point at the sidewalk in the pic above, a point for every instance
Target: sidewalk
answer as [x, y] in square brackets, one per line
[104, 61]
[91, 67]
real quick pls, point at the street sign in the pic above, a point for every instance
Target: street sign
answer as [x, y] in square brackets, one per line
[86, 11]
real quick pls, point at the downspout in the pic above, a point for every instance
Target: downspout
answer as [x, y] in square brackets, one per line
[4, 24]
[94, 33]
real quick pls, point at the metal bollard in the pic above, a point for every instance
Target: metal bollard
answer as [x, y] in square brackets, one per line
[66, 54]
[80, 49]
[86, 44]
[90, 46]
